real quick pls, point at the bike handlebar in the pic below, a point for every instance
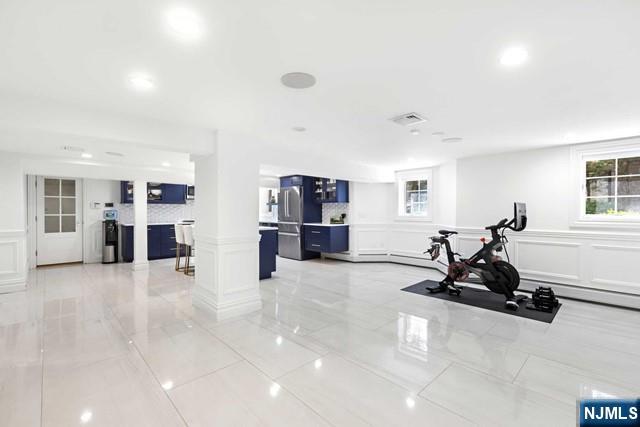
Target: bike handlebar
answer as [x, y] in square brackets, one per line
[498, 225]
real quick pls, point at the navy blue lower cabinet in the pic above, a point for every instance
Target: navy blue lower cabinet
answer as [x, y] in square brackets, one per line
[268, 248]
[329, 239]
[126, 242]
[161, 242]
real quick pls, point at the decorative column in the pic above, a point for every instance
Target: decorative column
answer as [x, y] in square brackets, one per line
[226, 233]
[140, 258]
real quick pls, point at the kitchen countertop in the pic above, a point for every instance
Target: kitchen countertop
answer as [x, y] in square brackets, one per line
[320, 224]
[156, 223]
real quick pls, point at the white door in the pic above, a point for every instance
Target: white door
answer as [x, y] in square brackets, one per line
[59, 220]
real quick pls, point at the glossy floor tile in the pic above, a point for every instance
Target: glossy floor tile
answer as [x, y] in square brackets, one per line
[335, 343]
[241, 395]
[493, 402]
[348, 395]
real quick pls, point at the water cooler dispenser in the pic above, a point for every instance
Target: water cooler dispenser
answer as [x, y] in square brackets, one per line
[110, 236]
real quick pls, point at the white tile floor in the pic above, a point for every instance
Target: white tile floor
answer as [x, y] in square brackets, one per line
[335, 344]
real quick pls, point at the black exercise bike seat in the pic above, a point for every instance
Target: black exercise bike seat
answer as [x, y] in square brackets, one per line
[447, 232]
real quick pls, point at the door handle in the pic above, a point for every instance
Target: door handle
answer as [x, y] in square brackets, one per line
[315, 232]
[288, 234]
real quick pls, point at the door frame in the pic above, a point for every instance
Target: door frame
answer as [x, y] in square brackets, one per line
[33, 222]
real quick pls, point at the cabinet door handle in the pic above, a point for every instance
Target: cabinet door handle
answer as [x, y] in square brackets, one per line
[172, 238]
[315, 232]
[317, 246]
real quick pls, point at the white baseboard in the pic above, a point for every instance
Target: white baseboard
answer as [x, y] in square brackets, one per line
[13, 285]
[228, 309]
[527, 284]
[139, 265]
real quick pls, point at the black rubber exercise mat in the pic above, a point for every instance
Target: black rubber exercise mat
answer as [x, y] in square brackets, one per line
[483, 299]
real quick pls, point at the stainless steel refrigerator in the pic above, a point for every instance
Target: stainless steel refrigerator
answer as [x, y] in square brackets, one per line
[290, 217]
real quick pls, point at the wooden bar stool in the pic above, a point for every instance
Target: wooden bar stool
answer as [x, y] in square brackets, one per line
[189, 242]
[179, 245]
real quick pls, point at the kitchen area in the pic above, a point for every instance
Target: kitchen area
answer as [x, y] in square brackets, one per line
[300, 218]
[308, 216]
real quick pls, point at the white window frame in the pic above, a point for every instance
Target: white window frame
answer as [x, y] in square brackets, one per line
[580, 154]
[414, 175]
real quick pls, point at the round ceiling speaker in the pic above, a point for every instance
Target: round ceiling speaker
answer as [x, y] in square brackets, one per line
[298, 80]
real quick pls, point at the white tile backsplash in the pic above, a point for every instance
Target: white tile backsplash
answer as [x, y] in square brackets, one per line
[158, 213]
[334, 209]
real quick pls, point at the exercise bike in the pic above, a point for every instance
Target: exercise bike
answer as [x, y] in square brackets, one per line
[497, 275]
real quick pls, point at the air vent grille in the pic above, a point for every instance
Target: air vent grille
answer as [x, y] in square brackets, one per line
[72, 148]
[408, 119]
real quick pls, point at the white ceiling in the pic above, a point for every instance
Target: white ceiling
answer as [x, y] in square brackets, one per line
[373, 59]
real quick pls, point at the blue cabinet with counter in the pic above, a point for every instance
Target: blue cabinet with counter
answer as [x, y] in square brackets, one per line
[268, 249]
[169, 194]
[161, 241]
[326, 238]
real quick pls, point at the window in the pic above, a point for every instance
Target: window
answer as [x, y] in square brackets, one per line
[612, 186]
[415, 197]
[59, 205]
[606, 178]
[414, 194]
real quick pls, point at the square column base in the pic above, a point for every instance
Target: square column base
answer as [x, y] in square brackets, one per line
[227, 276]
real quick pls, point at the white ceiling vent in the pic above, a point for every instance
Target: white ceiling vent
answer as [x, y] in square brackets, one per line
[408, 119]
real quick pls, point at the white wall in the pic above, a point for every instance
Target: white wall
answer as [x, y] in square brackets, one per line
[488, 186]
[96, 191]
[471, 193]
[13, 242]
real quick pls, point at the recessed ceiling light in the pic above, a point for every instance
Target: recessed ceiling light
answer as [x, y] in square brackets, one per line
[451, 140]
[114, 154]
[86, 417]
[184, 23]
[438, 134]
[298, 80]
[414, 131]
[299, 128]
[514, 56]
[166, 164]
[141, 82]
[86, 155]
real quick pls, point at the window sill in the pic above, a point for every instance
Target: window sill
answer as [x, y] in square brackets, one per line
[606, 223]
[409, 218]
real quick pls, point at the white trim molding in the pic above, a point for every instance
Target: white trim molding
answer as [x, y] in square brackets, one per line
[579, 154]
[591, 265]
[13, 260]
[227, 275]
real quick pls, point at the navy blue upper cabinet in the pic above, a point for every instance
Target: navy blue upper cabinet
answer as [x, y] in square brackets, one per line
[291, 181]
[156, 193]
[328, 190]
[126, 192]
[174, 194]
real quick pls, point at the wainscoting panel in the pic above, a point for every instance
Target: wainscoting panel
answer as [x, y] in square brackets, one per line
[368, 239]
[585, 264]
[13, 261]
[614, 268]
[548, 260]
